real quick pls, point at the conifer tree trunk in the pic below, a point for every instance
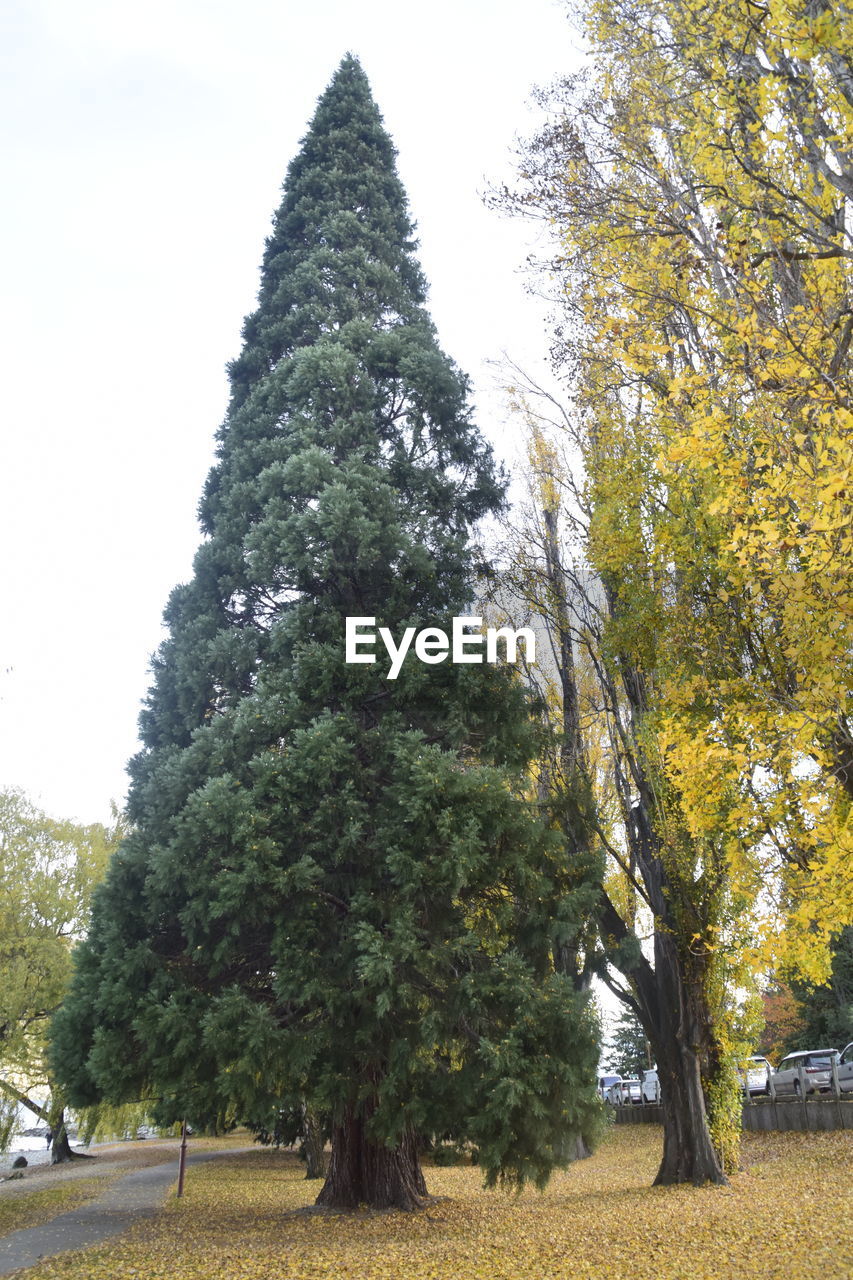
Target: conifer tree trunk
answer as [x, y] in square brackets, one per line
[581, 1149]
[313, 1144]
[364, 1171]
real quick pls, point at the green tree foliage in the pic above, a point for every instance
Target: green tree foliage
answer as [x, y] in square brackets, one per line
[336, 891]
[826, 1009]
[48, 870]
[628, 1050]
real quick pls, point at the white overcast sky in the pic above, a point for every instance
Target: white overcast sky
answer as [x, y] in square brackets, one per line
[144, 150]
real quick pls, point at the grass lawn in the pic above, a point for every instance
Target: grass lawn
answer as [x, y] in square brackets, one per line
[788, 1213]
[48, 1190]
[44, 1203]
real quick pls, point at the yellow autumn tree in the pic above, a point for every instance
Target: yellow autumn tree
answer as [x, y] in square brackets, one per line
[734, 314]
[703, 198]
[670, 926]
[698, 178]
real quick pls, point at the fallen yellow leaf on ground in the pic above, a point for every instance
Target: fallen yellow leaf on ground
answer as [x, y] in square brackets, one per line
[787, 1213]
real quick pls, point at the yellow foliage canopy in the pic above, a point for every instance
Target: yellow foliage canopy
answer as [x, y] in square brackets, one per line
[706, 219]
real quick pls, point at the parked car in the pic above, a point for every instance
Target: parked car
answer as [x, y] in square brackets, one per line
[632, 1091]
[755, 1074]
[651, 1085]
[817, 1070]
[845, 1069]
[606, 1082]
[625, 1093]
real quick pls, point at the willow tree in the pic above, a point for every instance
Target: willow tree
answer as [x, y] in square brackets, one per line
[48, 870]
[336, 891]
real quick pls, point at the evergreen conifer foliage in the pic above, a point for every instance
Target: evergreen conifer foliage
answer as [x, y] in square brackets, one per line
[336, 891]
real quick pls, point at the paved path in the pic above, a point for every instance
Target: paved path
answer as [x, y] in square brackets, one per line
[137, 1195]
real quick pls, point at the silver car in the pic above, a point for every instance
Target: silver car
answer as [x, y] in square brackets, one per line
[755, 1075]
[845, 1069]
[816, 1069]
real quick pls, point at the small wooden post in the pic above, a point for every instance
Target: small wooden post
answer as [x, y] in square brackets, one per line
[183, 1160]
[802, 1078]
[836, 1087]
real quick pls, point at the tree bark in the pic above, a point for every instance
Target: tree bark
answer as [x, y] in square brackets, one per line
[688, 1153]
[60, 1147]
[683, 1035]
[364, 1171]
[580, 1149]
[30, 1103]
[677, 1024]
[313, 1144]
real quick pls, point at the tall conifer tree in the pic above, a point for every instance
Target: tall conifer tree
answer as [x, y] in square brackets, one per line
[336, 889]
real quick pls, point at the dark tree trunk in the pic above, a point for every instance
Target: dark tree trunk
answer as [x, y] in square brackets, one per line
[688, 1153]
[683, 1038]
[580, 1150]
[678, 1025]
[313, 1144]
[363, 1171]
[668, 997]
[60, 1147]
[54, 1115]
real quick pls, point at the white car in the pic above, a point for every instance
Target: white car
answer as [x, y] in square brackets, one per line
[845, 1069]
[605, 1084]
[755, 1075]
[625, 1093]
[816, 1067]
[651, 1085]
